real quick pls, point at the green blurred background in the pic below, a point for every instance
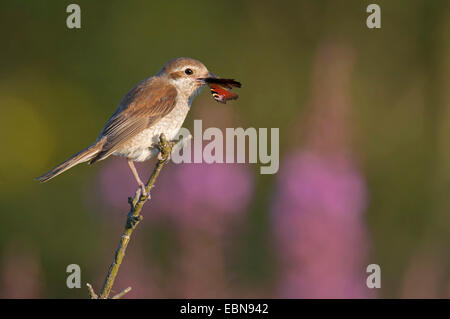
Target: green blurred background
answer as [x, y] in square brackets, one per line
[58, 86]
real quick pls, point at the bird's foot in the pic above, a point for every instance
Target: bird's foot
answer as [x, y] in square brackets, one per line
[141, 192]
[165, 151]
[142, 189]
[165, 148]
[162, 157]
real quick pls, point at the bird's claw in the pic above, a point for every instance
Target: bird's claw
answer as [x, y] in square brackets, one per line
[161, 157]
[141, 192]
[165, 148]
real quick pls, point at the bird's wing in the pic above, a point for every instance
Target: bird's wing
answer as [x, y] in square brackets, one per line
[142, 106]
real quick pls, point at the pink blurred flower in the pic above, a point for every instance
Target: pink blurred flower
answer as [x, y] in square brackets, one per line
[317, 214]
[204, 200]
[183, 191]
[321, 195]
[187, 190]
[309, 182]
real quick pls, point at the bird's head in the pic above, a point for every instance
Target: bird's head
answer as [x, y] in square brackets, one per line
[186, 74]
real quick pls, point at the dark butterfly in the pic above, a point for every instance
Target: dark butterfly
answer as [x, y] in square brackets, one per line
[220, 89]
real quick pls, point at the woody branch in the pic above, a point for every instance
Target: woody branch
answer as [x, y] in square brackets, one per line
[133, 218]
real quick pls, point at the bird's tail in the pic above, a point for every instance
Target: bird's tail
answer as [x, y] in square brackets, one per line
[80, 157]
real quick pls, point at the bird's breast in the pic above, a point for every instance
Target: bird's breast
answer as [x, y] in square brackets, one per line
[141, 147]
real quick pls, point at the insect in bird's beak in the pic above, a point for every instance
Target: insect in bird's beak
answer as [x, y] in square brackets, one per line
[221, 88]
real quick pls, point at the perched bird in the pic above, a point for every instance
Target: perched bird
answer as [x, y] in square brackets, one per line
[158, 104]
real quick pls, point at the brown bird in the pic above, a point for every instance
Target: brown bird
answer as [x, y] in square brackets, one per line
[156, 105]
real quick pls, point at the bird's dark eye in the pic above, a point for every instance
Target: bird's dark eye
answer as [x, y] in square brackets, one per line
[188, 71]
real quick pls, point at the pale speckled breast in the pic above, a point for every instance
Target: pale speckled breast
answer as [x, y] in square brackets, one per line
[140, 148]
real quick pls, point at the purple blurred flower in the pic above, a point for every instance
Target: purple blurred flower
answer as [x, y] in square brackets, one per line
[187, 190]
[308, 182]
[317, 214]
[203, 199]
[183, 190]
[321, 195]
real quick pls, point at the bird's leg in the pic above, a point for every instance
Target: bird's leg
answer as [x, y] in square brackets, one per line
[136, 176]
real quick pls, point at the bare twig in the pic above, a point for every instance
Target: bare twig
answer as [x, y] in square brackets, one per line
[92, 292]
[133, 219]
[122, 293]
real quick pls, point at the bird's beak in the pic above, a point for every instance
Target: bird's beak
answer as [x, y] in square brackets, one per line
[208, 77]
